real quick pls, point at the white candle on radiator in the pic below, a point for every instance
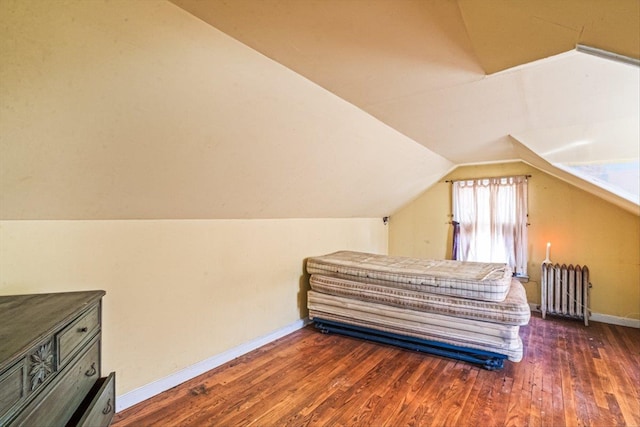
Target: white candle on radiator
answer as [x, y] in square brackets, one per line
[548, 247]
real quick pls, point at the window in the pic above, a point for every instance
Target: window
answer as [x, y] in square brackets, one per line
[492, 217]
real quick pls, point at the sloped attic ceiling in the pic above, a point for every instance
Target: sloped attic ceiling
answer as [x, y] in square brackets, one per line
[277, 108]
[126, 109]
[421, 67]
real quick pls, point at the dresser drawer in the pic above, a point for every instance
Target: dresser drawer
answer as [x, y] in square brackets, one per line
[12, 387]
[99, 407]
[26, 378]
[77, 333]
[57, 405]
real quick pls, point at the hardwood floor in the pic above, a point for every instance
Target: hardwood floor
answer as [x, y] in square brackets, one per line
[570, 375]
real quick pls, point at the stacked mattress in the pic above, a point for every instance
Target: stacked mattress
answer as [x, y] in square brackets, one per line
[466, 305]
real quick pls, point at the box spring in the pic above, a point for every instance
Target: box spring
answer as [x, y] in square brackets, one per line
[486, 359]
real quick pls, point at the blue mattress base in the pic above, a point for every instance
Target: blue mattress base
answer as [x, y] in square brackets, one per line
[486, 359]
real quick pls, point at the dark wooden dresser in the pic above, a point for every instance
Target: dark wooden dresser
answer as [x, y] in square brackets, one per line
[50, 347]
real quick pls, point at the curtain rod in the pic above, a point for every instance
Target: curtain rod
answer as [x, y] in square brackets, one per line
[489, 177]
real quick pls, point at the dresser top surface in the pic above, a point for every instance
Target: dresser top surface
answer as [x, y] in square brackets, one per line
[27, 319]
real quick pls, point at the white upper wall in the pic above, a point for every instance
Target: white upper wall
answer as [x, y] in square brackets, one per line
[128, 109]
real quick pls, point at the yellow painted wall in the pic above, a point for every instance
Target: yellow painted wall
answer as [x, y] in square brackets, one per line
[178, 292]
[582, 228]
[141, 130]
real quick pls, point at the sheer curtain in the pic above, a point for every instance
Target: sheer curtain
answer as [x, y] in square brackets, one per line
[493, 220]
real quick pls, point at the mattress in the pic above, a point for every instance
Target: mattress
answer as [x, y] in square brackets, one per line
[493, 337]
[514, 310]
[474, 280]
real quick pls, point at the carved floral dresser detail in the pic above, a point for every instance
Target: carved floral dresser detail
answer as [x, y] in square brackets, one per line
[50, 361]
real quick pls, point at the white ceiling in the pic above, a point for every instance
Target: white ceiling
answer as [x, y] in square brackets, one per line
[299, 108]
[416, 66]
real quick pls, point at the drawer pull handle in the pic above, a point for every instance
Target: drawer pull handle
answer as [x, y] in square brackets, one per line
[91, 372]
[108, 408]
[83, 329]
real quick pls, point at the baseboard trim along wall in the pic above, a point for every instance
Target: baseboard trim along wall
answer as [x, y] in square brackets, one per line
[604, 318]
[147, 391]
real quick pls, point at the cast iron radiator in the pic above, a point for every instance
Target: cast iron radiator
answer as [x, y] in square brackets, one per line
[565, 291]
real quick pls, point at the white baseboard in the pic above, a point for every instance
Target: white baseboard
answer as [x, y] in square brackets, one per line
[615, 320]
[604, 318]
[133, 397]
[147, 391]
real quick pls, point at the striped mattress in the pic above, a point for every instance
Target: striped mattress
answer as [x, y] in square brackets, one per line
[474, 280]
[488, 336]
[514, 310]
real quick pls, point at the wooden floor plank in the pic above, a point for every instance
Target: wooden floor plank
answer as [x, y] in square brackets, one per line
[442, 383]
[519, 406]
[473, 405]
[272, 384]
[302, 400]
[570, 375]
[453, 399]
[413, 405]
[553, 369]
[387, 373]
[618, 385]
[356, 371]
[393, 397]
